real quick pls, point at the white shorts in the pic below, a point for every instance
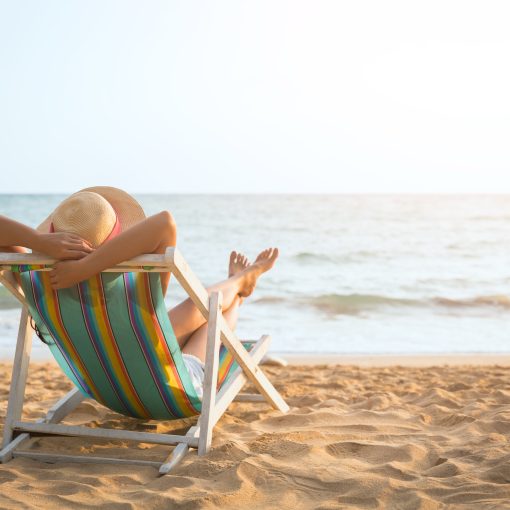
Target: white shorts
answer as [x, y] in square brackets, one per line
[196, 371]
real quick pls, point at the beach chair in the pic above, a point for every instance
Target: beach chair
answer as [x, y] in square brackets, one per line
[112, 337]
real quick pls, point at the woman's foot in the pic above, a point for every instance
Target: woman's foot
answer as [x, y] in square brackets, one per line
[237, 263]
[264, 262]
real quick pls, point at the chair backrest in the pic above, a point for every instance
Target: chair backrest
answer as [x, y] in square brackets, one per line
[112, 336]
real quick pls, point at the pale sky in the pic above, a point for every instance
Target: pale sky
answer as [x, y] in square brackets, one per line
[255, 96]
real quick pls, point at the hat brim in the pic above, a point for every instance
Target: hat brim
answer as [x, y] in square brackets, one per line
[129, 211]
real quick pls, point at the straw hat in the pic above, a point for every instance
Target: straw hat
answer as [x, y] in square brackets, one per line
[95, 214]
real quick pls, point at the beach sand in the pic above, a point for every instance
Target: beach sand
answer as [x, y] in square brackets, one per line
[355, 437]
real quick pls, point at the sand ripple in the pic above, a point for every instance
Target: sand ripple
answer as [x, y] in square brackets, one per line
[410, 438]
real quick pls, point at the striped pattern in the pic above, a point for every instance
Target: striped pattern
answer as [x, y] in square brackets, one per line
[111, 335]
[22, 268]
[227, 364]
[45, 304]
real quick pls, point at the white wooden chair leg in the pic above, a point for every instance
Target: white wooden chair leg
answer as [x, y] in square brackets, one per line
[56, 413]
[7, 452]
[64, 406]
[211, 373]
[179, 452]
[19, 378]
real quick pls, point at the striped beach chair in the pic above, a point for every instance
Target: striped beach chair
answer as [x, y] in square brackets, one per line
[112, 337]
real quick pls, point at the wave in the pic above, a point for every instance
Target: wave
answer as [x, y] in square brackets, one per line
[352, 304]
[499, 301]
[306, 257]
[271, 300]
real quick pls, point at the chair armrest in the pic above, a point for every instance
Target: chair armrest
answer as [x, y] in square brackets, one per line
[148, 262]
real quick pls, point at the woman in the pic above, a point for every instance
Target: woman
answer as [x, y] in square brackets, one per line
[116, 229]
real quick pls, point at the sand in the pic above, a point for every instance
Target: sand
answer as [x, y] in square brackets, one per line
[355, 437]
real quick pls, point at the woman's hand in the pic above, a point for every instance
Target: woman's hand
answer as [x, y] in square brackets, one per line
[63, 245]
[59, 245]
[68, 273]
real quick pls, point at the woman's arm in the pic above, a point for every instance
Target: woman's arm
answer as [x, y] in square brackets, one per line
[60, 245]
[152, 235]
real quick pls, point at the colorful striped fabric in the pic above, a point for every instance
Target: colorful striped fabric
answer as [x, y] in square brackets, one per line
[22, 268]
[112, 336]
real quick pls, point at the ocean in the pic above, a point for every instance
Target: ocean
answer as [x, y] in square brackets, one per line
[357, 274]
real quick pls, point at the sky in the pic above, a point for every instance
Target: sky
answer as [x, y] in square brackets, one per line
[255, 96]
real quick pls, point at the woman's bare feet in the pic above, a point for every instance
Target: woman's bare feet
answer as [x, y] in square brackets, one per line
[237, 263]
[264, 262]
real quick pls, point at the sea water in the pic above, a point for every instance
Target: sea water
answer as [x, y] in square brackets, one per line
[356, 273]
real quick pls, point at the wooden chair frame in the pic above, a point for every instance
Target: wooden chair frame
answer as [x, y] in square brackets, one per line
[214, 403]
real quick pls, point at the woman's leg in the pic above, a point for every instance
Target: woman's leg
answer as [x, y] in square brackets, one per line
[197, 342]
[186, 319]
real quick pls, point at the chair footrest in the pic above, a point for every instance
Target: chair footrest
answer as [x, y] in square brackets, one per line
[126, 435]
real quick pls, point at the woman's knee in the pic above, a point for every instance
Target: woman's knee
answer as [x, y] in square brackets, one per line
[168, 227]
[165, 231]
